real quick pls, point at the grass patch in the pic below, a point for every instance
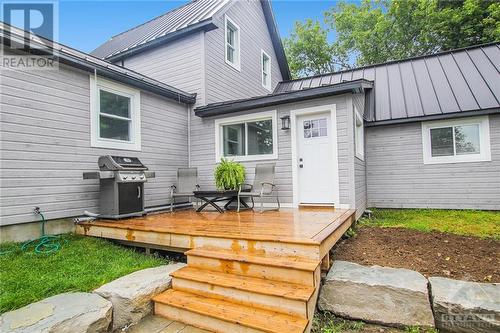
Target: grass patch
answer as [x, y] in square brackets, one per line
[82, 264]
[326, 322]
[485, 224]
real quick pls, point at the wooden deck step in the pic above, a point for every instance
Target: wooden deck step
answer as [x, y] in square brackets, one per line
[256, 285]
[279, 268]
[289, 298]
[222, 316]
[293, 262]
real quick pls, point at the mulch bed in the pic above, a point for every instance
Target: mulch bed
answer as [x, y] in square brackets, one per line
[430, 253]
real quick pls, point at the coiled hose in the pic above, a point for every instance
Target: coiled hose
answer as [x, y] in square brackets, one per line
[44, 243]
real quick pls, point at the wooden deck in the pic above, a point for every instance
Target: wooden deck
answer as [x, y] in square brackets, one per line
[305, 228]
[246, 272]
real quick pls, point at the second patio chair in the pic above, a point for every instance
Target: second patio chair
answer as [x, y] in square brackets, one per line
[263, 186]
[187, 182]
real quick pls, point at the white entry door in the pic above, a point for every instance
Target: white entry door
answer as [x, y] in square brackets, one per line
[315, 159]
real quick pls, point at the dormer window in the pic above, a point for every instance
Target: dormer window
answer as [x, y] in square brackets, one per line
[266, 70]
[232, 47]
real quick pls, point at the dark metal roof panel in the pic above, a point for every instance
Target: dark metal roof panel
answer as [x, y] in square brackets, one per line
[177, 19]
[95, 65]
[441, 84]
[214, 109]
[445, 83]
[482, 64]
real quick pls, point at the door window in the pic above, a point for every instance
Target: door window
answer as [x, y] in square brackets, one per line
[315, 128]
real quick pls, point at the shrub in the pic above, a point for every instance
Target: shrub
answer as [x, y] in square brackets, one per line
[229, 175]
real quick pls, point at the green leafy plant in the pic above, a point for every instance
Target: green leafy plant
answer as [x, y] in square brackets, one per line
[229, 175]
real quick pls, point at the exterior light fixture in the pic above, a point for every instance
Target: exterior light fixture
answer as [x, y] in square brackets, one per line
[285, 122]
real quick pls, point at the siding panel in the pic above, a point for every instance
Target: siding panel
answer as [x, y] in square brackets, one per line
[45, 145]
[178, 63]
[224, 82]
[203, 150]
[398, 178]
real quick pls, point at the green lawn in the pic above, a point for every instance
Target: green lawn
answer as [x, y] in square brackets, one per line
[484, 224]
[82, 264]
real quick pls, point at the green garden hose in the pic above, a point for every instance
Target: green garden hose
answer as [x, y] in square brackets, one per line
[44, 243]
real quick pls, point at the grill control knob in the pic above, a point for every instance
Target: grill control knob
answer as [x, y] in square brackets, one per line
[133, 177]
[142, 176]
[125, 177]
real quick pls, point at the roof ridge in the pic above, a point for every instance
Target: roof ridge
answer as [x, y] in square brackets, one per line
[396, 61]
[154, 18]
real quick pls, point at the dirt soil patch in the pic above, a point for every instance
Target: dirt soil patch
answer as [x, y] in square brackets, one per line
[430, 253]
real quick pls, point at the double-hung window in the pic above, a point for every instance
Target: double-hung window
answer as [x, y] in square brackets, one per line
[232, 43]
[249, 137]
[460, 140]
[359, 134]
[115, 115]
[265, 61]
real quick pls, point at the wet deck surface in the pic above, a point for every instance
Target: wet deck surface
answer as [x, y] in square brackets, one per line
[307, 226]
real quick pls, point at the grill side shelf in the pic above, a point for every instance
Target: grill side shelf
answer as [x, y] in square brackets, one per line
[99, 175]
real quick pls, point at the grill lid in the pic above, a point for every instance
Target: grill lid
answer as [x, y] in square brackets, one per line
[119, 163]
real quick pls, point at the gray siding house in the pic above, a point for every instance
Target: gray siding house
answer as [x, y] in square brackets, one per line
[210, 80]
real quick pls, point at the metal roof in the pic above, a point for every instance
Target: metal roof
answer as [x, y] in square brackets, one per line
[453, 82]
[92, 64]
[178, 19]
[194, 16]
[219, 108]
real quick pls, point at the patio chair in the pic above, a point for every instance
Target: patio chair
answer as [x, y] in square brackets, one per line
[187, 182]
[263, 186]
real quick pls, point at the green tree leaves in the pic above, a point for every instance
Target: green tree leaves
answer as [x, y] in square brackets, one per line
[376, 31]
[309, 52]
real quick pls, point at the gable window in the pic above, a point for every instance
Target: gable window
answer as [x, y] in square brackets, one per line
[249, 137]
[232, 43]
[359, 134]
[265, 61]
[115, 115]
[462, 140]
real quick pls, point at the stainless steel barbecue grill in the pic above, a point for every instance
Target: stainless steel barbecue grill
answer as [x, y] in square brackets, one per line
[121, 186]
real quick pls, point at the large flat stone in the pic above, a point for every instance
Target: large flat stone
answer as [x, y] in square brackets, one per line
[462, 306]
[131, 294]
[63, 313]
[388, 296]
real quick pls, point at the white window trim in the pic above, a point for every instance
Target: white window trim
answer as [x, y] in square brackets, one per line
[135, 116]
[269, 78]
[359, 150]
[246, 118]
[236, 65]
[484, 140]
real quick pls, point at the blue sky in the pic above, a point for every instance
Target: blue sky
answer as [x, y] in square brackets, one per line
[85, 25]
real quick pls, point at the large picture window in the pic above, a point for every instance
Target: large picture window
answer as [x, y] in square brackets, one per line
[463, 140]
[115, 116]
[250, 137]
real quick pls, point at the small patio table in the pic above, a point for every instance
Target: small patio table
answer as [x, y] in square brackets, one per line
[211, 197]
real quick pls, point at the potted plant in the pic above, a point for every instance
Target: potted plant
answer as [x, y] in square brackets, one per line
[229, 175]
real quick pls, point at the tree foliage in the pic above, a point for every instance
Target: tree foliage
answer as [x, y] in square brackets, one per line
[375, 31]
[309, 52]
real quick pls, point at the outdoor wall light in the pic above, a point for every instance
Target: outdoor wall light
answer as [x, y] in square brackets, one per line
[285, 122]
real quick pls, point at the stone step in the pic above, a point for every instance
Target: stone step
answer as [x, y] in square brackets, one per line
[279, 268]
[223, 316]
[284, 297]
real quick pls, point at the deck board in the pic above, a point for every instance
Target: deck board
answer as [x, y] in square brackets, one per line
[303, 226]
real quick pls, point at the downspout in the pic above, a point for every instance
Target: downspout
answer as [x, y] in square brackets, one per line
[189, 110]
